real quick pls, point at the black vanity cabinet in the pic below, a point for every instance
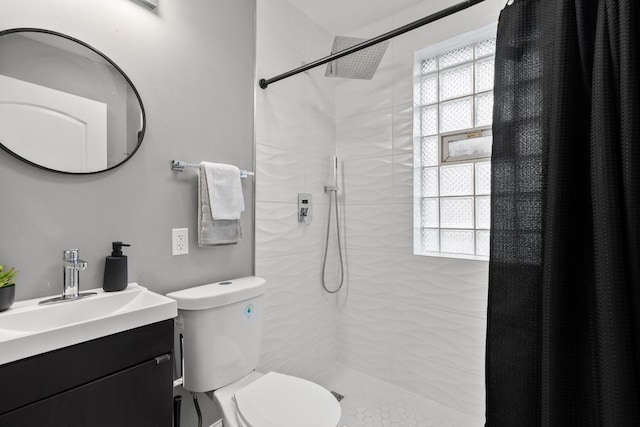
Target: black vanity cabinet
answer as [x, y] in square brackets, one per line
[125, 379]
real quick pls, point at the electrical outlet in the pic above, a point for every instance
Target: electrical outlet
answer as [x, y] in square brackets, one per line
[180, 241]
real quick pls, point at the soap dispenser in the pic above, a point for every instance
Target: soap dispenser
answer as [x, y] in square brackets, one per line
[115, 269]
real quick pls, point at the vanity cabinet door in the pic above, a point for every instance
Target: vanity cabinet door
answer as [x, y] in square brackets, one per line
[140, 396]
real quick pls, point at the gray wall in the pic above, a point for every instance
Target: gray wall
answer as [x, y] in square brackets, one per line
[193, 64]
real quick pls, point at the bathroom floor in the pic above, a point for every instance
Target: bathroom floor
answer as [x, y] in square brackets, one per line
[371, 402]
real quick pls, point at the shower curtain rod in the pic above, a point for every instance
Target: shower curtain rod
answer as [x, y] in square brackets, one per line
[264, 83]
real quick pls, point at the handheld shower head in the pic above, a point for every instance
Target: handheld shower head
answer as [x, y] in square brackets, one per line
[334, 187]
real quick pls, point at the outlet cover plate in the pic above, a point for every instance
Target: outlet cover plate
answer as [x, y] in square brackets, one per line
[180, 241]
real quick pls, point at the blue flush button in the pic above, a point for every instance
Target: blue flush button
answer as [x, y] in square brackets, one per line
[248, 310]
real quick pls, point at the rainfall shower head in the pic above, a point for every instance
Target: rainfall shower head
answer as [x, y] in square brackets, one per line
[359, 65]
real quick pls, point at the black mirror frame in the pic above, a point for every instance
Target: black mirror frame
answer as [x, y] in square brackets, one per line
[141, 133]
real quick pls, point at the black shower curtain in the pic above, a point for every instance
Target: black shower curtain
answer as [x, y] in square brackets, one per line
[563, 334]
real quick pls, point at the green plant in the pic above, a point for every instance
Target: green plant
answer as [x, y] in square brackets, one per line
[7, 276]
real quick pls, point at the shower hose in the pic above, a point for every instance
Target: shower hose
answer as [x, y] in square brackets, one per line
[333, 194]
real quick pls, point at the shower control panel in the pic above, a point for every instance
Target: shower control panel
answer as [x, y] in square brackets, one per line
[305, 204]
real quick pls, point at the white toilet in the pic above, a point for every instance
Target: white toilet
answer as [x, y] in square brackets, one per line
[221, 325]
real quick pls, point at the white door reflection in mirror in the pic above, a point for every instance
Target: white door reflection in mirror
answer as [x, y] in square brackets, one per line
[71, 131]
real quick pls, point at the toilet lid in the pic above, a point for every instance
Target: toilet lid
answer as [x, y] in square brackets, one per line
[277, 400]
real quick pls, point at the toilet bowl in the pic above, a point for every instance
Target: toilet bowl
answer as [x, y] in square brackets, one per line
[220, 325]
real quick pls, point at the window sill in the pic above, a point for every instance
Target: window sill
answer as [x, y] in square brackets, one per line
[453, 256]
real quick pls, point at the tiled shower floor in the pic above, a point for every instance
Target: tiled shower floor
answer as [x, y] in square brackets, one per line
[370, 402]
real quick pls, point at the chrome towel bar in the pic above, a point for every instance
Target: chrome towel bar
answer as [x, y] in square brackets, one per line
[178, 165]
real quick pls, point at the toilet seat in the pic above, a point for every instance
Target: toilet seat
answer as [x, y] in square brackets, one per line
[278, 400]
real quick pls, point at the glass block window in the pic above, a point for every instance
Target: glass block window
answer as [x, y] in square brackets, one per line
[454, 110]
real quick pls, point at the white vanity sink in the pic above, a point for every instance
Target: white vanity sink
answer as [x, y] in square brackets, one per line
[27, 329]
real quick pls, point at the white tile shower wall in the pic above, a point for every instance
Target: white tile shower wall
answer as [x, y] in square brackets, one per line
[295, 141]
[416, 321]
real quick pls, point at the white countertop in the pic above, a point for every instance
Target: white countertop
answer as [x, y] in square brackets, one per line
[28, 329]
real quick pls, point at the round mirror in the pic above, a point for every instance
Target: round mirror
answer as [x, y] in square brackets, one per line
[64, 106]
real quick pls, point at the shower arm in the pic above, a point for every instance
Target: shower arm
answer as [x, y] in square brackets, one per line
[264, 83]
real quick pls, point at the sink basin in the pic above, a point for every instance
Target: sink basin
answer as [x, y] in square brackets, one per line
[28, 329]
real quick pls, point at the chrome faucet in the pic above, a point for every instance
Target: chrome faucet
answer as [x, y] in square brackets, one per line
[71, 268]
[72, 265]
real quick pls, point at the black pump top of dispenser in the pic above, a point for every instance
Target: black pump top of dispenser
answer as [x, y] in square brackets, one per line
[117, 248]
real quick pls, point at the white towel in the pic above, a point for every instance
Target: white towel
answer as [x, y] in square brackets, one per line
[213, 231]
[225, 190]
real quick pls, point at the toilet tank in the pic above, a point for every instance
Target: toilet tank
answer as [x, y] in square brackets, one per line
[221, 326]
